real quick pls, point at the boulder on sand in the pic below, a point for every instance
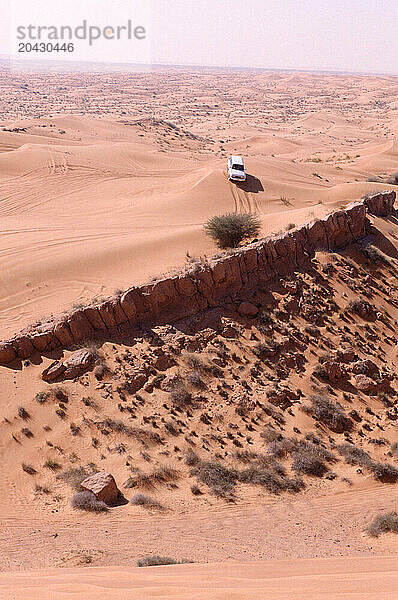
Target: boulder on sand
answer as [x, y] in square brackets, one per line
[103, 486]
[78, 363]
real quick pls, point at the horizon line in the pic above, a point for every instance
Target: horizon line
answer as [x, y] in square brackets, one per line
[153, 66]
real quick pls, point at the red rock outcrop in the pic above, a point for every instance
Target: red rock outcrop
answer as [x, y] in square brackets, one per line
[221, 279]
[103, 486]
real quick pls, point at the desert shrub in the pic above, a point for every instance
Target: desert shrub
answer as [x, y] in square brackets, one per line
[27, 432]
[60, 394]
[154, 561]
[191, 458]
[137, 433]
[75, 429]
[195, 380]
[146, 501]
[230, 229]
[393, 178]
[28, 469]
[100, 371]
[263, 350]
[23, 414]
[75, 476]
[312, 330]
[195, 489]
[170, 426]
[309, 448]
[269, 434]
[384, 523]
[308, 465]
[277, 448]
[52, 464]
[201, 364]
[270, 475]
[246, 456]
[60, 412]
[42, 489]
[160, 476]
[41, 397]
[384, 472]
[180, 395]
[329, 413]
[354, 455]
[373, 255]
[86, 500]
[220, 479]
[361, 307]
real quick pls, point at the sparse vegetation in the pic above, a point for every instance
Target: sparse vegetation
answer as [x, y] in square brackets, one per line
[220, 479]
[353, 455]
[41, 397]
[23, 413]
[160, 476]
[229, 230]
[146, 501]
[329, 413]
[86, 500]
[28, 469]
[75, 475]
[383, 523]
[155, 560]
[52, 464]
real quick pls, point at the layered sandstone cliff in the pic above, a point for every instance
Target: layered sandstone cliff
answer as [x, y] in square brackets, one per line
[204, 285]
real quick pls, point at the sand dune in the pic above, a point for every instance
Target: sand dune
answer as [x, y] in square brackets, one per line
[346, 579]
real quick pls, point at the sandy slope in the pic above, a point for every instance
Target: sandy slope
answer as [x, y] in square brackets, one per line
[97, 199]
[94, 202]
[329, 579]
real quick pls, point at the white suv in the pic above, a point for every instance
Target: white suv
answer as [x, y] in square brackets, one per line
[236, 169]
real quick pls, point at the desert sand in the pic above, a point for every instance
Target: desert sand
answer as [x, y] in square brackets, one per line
[368, 579]
[106, 181]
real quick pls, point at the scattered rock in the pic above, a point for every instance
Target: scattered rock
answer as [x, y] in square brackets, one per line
[365, 367]
[53, 372]
[78, 363]
[247, 309]
[170, 382]
[364, 383]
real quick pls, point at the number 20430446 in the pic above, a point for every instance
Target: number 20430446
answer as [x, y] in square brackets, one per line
[45, 47]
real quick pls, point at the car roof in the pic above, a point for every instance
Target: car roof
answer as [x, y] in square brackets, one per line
[237, 160]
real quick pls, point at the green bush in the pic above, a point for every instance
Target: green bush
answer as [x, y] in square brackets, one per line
[229, 230]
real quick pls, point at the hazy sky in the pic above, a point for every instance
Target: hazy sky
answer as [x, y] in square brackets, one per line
[351, 35]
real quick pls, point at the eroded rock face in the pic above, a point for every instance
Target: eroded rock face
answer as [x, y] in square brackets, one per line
[206, 285]
[7, 353]
[78, 363]
[381, 204]
[53, 372]
[103, 486]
